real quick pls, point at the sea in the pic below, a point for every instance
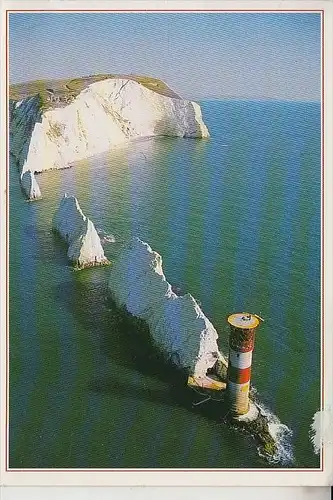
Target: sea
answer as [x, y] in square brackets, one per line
[237, 220]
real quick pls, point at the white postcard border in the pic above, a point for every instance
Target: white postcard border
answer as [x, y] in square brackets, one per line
[182, 477]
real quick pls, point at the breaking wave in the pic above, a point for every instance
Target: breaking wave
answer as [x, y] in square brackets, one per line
[105, 238]
[109, 238]
[282, 436]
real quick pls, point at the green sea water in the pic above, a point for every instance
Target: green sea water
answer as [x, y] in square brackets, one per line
[236, 219]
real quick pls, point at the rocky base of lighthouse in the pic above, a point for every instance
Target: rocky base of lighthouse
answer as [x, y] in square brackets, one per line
[215, 406]
[148, 357]
[178, 335]
[256, 424]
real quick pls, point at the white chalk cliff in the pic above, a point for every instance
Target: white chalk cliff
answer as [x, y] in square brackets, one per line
[30, 185]
[23, 117]
[84, 245]
[105, 114]
[177, 324]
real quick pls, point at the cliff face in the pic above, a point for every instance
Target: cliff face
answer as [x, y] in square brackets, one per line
[24, 115]
[30, 185]
[84, 246]
[104, 115]
[177, 324]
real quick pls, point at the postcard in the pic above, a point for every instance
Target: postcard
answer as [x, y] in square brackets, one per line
[166, 243]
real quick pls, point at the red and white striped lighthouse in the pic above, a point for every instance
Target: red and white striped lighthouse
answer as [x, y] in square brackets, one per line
[241, 344]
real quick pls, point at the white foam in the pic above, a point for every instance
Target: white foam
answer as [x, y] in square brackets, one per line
[109, 238]
[105, 238]
[281, 435]
[251, 415]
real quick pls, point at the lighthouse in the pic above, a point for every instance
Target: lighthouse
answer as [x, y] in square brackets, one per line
[241, 344]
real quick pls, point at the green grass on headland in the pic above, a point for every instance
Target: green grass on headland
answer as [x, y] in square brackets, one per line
[59, 92]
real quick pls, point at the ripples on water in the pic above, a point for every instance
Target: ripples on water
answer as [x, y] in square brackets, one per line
[237, 221]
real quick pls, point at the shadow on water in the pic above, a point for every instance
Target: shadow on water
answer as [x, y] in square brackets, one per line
[136, 369]
[175, 395]
[126, 342]
[49, 247]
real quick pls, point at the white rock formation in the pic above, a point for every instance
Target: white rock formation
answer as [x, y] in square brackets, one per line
[30, 185]
[176, 323]
[23, 117]
[84, 246]
[106, 114]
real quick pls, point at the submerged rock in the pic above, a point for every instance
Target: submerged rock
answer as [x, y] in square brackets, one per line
[84, 246]
[177, 325]
[257, 424]
[30, 186]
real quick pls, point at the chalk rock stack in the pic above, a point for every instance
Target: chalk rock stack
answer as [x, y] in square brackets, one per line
[30, 186]
[177, 324]
[84, 245]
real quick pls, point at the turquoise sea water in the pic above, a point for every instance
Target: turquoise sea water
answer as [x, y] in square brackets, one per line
[237, 221]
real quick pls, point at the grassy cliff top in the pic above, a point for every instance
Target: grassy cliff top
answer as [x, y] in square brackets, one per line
[66, 89]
